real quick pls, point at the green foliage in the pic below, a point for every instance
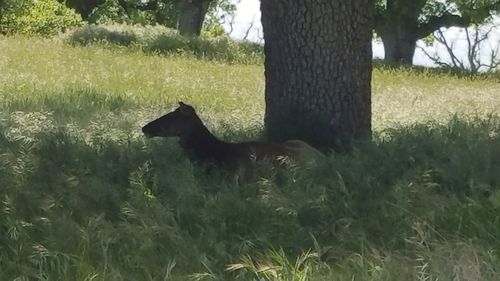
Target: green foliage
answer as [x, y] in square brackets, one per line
[410, 20]
[108, 12]
[83, 196]
[112, 11]
[470, 10]
[478, 10]
[163, 12]
[212, 27]
[218, 12]
[42, 17]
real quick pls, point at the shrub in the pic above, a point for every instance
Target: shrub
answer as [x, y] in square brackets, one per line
[218, 48]
[42, 17]
[163, 40]
[91, 34]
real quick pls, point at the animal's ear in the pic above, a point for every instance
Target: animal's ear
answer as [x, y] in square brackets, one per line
[186, 109]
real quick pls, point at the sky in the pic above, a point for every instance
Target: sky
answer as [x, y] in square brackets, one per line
[248, 14]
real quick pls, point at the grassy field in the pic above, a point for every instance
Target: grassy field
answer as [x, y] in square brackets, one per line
[83, 196]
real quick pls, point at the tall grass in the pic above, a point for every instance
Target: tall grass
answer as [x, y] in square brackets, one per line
[84, 197]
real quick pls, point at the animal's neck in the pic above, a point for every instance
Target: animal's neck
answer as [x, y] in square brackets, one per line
[202, 145]
[203, 135]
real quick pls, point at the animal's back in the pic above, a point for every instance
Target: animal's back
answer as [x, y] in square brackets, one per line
[302, 150]
[258, 150]
[261, 150]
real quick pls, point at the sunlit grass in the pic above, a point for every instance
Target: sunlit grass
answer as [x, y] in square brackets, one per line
[403, 97]
[46, 75]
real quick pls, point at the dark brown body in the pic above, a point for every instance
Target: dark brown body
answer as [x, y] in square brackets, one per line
[208, 149]
[201, 146]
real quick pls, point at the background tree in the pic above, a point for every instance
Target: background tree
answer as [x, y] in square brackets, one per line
[2, 5]
[187, 16]
[318, 69]
[191, 16]
[400, 23]
[41, 17]
[158, 11]
[83, 7]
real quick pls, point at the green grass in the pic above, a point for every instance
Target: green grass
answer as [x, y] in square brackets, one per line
[83, 196]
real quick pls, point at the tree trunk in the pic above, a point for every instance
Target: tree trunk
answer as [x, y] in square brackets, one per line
[84, 8]
[399, 43]
[398, 26]
[318, 70]
[191, 17]
[2, 6]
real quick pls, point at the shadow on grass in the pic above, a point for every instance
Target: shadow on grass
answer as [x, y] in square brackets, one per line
[156, 40]
[131, 208]
[219, 49]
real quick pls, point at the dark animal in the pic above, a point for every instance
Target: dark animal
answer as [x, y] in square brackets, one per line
[202, 146]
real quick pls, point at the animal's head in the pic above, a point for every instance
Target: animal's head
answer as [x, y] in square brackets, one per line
[183, 121]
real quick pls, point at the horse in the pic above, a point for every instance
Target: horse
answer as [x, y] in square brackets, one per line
[201, 146]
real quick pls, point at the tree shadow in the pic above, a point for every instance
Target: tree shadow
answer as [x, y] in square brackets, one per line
[141, 202]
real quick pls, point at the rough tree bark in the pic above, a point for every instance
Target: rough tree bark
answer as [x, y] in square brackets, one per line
[400, 41]
[318, 70]
[83, 7]
[191, 16]
[397, 26]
